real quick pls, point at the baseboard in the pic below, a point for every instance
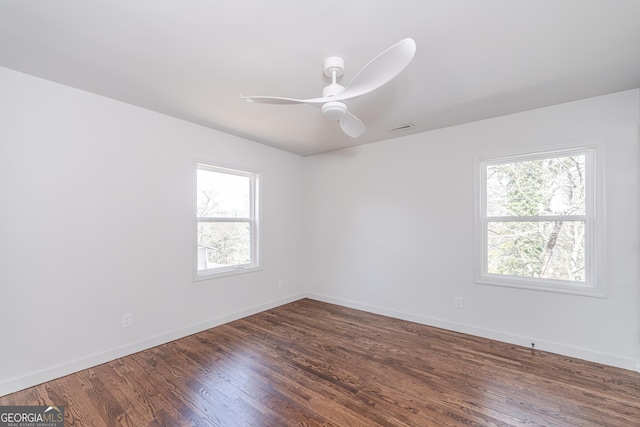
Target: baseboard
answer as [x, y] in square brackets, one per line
[53, 372]
[540, 344]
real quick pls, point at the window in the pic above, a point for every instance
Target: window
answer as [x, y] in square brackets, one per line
[537, 222]
[226, 221]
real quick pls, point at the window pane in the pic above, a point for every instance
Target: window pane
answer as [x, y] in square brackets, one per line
[554, 186]
[223, 244]
[545, 249]
[223, 195]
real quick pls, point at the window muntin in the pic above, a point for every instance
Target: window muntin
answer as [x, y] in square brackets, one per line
[537, 221]
[226, 221]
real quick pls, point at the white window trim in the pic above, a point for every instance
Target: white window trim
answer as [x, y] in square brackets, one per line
[254, 220]
[595, 244]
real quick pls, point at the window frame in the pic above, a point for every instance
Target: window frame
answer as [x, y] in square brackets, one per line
[594, 284]
[252, 220]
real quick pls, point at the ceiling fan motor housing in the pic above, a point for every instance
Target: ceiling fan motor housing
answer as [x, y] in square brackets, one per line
[334, 110]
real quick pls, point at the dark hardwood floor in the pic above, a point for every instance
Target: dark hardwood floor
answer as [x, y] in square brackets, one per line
[310, 363]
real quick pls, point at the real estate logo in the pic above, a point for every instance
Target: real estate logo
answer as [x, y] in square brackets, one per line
[31, 416]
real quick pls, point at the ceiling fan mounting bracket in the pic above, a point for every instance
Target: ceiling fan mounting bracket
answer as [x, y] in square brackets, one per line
[333, 64]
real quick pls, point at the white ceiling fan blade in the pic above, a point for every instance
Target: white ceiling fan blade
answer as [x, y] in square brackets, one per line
[282, 101]
[380, 70]
[352, 126]
[271, 100]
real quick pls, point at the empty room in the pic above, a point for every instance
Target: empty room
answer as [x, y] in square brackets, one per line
[337, 213]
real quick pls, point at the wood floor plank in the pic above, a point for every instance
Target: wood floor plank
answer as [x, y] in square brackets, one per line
[310, 363]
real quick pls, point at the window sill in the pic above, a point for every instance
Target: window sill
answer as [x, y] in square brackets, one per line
[542, 285]
[224, 273]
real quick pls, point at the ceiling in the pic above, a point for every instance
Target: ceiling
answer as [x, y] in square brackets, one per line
[193, 58]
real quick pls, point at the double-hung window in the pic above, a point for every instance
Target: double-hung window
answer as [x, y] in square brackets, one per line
[537, 225]
[226, 221]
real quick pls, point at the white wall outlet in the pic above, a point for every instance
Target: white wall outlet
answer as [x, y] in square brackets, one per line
[281, 283]
[127, 321]
[457, 302]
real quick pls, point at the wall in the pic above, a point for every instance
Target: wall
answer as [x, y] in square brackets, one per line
[389, 229]
[95, 222]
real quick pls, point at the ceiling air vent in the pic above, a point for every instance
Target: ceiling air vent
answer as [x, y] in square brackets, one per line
[401, 128]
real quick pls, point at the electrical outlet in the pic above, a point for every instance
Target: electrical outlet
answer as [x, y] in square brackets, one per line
[281, 283]
[457, 302]
[126, 320]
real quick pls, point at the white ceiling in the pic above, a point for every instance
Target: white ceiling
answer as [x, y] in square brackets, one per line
[193, 58]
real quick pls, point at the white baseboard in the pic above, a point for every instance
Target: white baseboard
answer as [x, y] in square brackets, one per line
[551, 347]
[57, 371]
[53, 372]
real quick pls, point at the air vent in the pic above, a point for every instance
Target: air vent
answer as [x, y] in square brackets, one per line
[401, 128]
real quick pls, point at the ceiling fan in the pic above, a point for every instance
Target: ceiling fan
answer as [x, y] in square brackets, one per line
[376, 73]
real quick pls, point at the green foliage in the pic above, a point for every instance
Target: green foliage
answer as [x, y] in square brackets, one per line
[525, 204]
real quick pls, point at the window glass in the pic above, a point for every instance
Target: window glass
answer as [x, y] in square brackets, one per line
[554, 186]
[223, 195]
[544, 249]
[224, 244]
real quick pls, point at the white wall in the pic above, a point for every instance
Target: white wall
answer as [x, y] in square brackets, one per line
[95, 222]
[389, 229]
